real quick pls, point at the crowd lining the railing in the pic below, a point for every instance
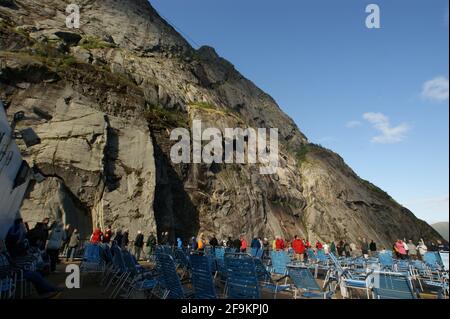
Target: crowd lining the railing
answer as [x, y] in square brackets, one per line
[227, 269]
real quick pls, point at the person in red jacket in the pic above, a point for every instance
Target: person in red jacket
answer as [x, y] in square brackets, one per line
[279, 243]
[243, 245]
[319, 245]
[299, 248]
[307, 244]
[107, 236]
[96, 236]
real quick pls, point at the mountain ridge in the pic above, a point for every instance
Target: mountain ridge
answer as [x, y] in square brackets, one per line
[131, 74]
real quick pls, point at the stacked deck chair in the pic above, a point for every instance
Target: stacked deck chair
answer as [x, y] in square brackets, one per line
[279, 262]
[8, 279]
[257, 252]
[266, 281]
[138, 279]
[386, 261]
[211, 255]
[93, 261]
[390, 285]
[117, 273]
[348, 280]
[12, 276]
[220, 263]
[182, 262]
[437, 276]
[433, 260]
[168, 277]
[242, 280]
[305, 285]
[202, 279]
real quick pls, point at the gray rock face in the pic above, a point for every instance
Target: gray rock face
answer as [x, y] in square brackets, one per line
[100, 169]
[114, 89]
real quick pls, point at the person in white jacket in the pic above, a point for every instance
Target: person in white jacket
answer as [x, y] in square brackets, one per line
[422, 248]
[54, 243]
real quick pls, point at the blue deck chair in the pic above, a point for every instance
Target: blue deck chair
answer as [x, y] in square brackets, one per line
[403, 266]
[348, 280]
[322, 257]
[93, 261]
[312, 258]
[279, 260]
[8, 279]
[202, 279]
[266, 281]
[242, 280]
[322, 262]
[220, 262]
[168, 277]
[305, 283]
[118, 273]
[139, 278]
[389, 285]
[260, 253]
[182, 262]
[386, 260]
[433, 260]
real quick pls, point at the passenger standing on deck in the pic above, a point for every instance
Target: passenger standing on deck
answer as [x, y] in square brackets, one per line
[255, 244]
[151, 243]
[96, 236]
[126, 239]
[333, 248]
[412, 250]
[326, 248]
[373, 248]
[299, 248]
[65, 245]
[405, 245]
[365, 248]
[164, 238]
[118, 239]
[201, 243]
[243, 247]
[340, 248]
[138, 245]
[400, 249]
[347, 249]
[319, 245]
[55, 241]
[266, 246]
[74, 241]
[279, 243]
[422, 248]
[107, 236]
[213, 242]
[237, 245]
[352, 249]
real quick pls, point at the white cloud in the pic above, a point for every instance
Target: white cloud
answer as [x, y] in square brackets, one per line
[389, 134]
[353, 124]
[436, 89]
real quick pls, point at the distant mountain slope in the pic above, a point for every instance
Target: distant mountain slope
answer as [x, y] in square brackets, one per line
[442, 229]
[104, 98]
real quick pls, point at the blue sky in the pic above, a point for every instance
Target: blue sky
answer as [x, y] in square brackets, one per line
[378, 97]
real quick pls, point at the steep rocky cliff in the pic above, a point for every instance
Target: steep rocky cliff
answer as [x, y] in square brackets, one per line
[103, 100]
